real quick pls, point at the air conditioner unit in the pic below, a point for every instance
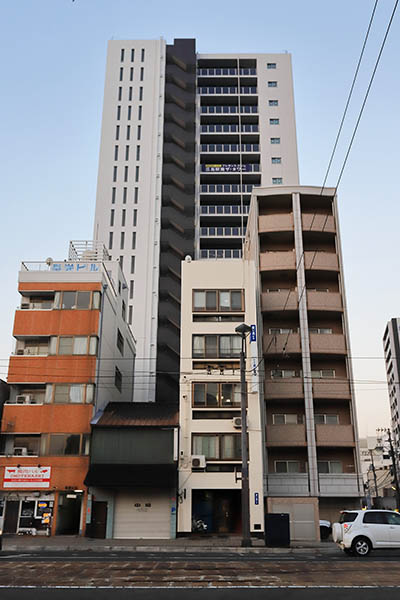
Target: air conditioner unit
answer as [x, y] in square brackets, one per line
[198, 462]
[237, 422]
[25, 305]
[20, 351]
[23, 399]
[20, 451]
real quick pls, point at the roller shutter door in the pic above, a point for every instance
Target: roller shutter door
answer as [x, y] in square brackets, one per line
[143, 513]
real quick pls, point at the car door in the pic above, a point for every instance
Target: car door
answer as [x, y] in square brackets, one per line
[376, 527]
[393, 520]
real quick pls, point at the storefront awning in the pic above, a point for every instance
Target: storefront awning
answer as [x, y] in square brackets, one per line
[131, 475]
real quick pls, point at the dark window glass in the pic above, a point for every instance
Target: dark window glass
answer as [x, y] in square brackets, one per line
[83, 300]
[68, 300]
[211, 345]
[375, 516]
[212, 394]
[211, 300]
[199, 398]
[347, 517]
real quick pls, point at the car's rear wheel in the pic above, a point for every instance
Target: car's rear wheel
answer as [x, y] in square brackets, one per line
[361, 546]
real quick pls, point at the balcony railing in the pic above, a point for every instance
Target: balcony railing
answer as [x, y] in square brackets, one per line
[217, 72]
[218, 110]
[211, 90]
[222, 231]
[226, 188]
[229, 128]
[230, 148]
[221, 253]
[225, 210]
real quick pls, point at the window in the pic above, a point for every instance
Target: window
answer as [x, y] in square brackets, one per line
[121, 73]
[130, 315]
[274, 121]
[126, 152]
[129, 115]
[329, 466]
[326, 419]
[276, 160]
[130, 93]
[115, 173]
[287, 419]
[123, 216]
[122, 54]
[277, 180]
[216, 394]
[320, 330]
[139, 132]
[283, 373]
[132, 265]
[121, 263]
[26, 445]
[112, 217]
[124, 195]
[131, 289]
[113, 194]
[118, 113]
[273, 103]
[134, 240]
[134, 221]
[117, 132]
[217, 447]
[142, 55]
[78, 300]
[136, 174]
[120, 342]
[118, 379]
[119, 94]
[122, 240]
[116, 153]
[140, 93]
[287, 466]
[392, 518]
[110, 240]
[136, 195]
[131, 74]
[216, 346]
[271, 65]
[137, 152]
[65, 393]
[275, 140]
[126, 171]
[132, 54]
[128, 132]
[222, 300]
[323, 374]
[140, 110]
[64, 444]
[272, 84]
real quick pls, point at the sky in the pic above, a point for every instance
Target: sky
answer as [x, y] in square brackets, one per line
[52, 61]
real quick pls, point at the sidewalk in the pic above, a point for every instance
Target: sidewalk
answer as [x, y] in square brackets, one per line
[204, 544]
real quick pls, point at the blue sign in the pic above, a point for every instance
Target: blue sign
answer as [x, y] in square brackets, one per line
[256, 498]
[253, 335]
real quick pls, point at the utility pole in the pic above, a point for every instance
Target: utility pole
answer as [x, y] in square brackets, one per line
[394, 463]
[242, 330]
[371, 452]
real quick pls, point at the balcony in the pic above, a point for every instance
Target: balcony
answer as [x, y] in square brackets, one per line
[279, 343]
[340, 484]
[287, 484]
[277, 261]
[334, 435]
[324, 301]
[229, 148]
[283, 389]
[218, 72]
[221, 253]
[280, 300]
[224, 90]
[329, 343]
[222, 231]
[333, 388]
[272, 223]
[318, 222]
[228, 110]
[321, 261]
[229, 128]
[286, 435]
[224, 210]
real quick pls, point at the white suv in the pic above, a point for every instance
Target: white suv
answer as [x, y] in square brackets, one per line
[360, 531]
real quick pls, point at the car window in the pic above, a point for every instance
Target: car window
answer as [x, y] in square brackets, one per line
[348, 517]
[375, 516]
[392, 518]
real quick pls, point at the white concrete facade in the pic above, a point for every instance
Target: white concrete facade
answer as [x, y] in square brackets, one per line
[392, 360]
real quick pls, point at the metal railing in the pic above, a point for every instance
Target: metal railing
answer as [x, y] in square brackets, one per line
[218, 71]
[207, 90]
[228, 128]
[221, 253]
[222, 231]
[227, 188]
[229, 147]
[231, 110]
[225, 210]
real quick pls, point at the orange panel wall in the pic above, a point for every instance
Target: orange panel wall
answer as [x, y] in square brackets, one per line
[47, 418]
[50, 369]
[56, 322]
[26, 286]
[66, 471]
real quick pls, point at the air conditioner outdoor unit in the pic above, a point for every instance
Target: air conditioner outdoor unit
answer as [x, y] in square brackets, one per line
[23, 399]
[198, 462]
[237, 422]
[20, 351]
[25, 305]
[20, 451]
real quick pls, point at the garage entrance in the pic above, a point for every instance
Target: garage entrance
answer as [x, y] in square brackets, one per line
[219, 509]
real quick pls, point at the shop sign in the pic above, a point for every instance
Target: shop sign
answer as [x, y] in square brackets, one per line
[74, 267]
[225, 168]
[26, 477]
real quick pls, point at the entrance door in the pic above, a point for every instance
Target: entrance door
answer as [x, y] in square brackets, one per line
[99, 519]
[69, 514]
[11, 516]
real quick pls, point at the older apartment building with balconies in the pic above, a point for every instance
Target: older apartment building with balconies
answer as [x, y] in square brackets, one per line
[74, 352]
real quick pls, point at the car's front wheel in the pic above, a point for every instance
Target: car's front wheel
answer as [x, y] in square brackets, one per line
[361, 546]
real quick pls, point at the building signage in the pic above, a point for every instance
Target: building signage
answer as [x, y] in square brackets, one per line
[75, 267]
[253, 334]
[256, 498]
[27, 477]
[225, 168]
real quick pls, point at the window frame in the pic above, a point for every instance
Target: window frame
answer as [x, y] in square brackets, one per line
[219, 446]
[219, 395]
[218, 308]
[217, 344]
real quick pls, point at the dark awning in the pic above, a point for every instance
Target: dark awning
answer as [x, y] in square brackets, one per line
[131, 475]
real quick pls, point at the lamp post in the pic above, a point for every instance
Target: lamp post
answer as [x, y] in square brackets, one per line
[243, 330]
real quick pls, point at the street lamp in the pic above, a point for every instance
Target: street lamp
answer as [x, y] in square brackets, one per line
[243, 330]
